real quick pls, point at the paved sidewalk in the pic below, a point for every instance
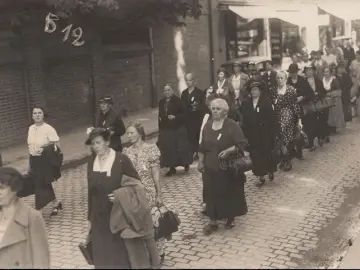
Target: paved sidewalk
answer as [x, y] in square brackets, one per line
[72, 143]
[351, 259]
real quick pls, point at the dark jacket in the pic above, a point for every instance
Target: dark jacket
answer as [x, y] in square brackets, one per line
[55, 158]
[301, 87]
[319, 88]
[228, 94]
[349, 54]
[260, 124]
[174, 107]
[112, 120]
[194, 103]
[270, 80]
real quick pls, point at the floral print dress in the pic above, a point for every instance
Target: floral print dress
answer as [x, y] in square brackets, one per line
[287, 111]
[145, 159]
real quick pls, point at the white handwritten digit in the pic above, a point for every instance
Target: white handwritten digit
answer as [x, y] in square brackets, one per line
[77, 34]
[50, 25]
[67, 32]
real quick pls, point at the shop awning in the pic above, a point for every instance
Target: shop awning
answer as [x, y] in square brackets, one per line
[345, 11]
[293, 16]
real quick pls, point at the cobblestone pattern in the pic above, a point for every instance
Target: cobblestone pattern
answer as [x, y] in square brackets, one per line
[282, 224]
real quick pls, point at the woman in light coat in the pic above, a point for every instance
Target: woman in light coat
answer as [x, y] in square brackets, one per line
[23, 238]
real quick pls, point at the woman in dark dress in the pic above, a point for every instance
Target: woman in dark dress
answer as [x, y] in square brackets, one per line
[287, 110]
[105, 173]
[173, 141]
[260, 129]
[345, 83]
[224, 189]
[316, 124]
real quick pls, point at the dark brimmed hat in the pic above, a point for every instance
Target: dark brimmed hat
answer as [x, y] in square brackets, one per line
[106, 99]
[95, 133]
[319, 51]
[255, 83]
[293, 68]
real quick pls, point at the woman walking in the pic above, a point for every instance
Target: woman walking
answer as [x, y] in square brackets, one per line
[224, 188]
[23, 237]
[345, 84]
[336, 119]
[260, 128]
[113, 188]
[287, 110]
[45, 160]
[173, 139]
[146, 159]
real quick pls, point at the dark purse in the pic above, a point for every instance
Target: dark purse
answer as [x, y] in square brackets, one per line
[168, 223]
[240, 161]
[308, 107]
[86, 250]
[324, 103]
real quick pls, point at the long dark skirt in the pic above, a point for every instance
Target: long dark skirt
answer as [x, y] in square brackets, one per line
[323, 129]
[263, 163]
[43, 176]
[174, 148]
[224, 194]
[193, 130]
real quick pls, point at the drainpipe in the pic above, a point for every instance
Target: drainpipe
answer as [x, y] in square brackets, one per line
[154, 94]
[211, 43]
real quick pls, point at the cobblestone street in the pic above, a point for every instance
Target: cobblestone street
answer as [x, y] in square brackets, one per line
[290, 221]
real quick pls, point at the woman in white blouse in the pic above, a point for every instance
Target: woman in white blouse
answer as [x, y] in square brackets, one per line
[43, 142]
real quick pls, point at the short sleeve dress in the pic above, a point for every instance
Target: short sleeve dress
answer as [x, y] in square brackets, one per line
[144, 160]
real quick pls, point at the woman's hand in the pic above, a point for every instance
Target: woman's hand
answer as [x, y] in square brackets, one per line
[200, 167]
[111, 197]
[299, 99]
[159, 201]
[224, 154]
[171, 117]
[300, 125]
[39, 151]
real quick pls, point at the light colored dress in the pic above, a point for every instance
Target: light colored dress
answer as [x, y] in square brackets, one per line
[145, 159]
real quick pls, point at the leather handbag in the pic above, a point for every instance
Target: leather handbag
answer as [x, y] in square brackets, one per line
[324, 103]
[167, 222]
[240, 161]
[86, 250]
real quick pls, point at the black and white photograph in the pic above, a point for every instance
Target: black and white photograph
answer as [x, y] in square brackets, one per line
[179, 134]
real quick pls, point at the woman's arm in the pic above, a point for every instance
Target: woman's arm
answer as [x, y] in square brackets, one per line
[155, 173]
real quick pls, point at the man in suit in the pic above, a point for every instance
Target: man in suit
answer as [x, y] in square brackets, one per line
[193, 100]
[109, 119]
[269, 76]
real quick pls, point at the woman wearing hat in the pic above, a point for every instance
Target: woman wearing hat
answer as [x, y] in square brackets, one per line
[109, 119]
[287, 110]
[260, 128]
[113, 187]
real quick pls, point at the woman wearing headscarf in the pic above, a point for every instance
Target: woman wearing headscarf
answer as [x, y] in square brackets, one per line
[284, 100]
[23, 236]
[45, 160]
[260, 128]
[316, 124]
[173, 140]
[224, 186]
[345, 84]
[336, 119]
[121, 231]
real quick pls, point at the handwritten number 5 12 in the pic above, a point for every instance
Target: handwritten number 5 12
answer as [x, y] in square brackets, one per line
[50, 27]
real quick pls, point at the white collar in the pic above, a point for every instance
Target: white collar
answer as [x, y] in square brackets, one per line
[107, 165]
[327, 83]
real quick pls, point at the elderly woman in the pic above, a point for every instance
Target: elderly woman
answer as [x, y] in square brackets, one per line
[45, 160]
[260, 128]
[23, 238]
[173, 140]
[224, 188]
[284, 100]
[336, 119]
[113, 185]
[146, 159]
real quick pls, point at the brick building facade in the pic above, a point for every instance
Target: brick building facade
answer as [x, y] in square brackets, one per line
[68, 80]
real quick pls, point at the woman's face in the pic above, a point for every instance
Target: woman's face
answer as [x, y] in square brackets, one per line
[221, 76]
[99, 145]
[216, 111]
[38, 115]
[281, 79]
[255, 92]
[168, 92]
[327, 72]
[6, 195]
[309, 72]
[133, 134]
[236, 69]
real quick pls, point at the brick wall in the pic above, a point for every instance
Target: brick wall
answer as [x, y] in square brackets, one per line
[196, 53]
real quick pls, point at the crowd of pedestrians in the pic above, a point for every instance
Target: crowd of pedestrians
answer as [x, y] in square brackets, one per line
[268, 118]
